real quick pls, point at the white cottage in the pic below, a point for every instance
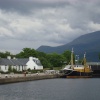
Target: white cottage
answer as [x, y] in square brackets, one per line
[5, 63]
[20, 64]
[34, 63]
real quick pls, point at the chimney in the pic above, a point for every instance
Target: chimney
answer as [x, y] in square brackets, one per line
[30, 58]
[9, 57]
[14, 57]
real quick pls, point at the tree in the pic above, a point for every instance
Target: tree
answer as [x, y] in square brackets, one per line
[45, 62]
[5, 54]
[14, 70]
[41, 54]
[27, 52]
[56, 59]
[10, 69]
[67, 55]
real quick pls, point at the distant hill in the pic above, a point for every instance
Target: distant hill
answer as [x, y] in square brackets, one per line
[89, 43]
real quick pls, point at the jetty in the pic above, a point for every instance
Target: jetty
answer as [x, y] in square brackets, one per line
[22, 78]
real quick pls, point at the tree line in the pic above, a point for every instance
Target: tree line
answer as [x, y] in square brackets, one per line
[48, 60]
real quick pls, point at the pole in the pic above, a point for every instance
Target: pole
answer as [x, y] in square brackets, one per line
[72, 59]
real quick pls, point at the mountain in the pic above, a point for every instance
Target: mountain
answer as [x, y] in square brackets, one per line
[89, 43]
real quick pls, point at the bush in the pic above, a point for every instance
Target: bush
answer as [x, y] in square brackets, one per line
[14, 70]
[10, 69]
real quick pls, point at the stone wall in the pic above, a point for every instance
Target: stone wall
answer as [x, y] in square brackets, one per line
[29, 78]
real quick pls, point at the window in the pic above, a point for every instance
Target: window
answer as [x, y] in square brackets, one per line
[19, 67]
[5, 67]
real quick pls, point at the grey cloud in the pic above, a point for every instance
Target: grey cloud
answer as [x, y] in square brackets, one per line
[32, 23]
[25, 6]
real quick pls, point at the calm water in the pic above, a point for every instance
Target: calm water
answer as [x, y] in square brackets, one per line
[52, 89]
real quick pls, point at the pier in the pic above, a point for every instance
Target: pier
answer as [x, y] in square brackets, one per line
[22, 78]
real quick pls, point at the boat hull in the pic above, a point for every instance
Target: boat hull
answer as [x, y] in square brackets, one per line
[75, 74]
[78, 76]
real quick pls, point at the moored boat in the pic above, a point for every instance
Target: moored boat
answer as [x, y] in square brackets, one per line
[77, 71]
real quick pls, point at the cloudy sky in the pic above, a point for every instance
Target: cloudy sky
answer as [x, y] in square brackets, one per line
[32, 23]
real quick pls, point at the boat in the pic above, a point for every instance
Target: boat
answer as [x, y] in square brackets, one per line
[76, 70]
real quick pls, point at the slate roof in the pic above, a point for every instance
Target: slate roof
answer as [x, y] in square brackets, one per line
[14, 62]
[4, 61]
[38, 63]
[17, 61]
[23, 60]
[93, 63]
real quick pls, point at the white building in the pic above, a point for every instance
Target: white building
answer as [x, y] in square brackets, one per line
[33, 63]
[20, 64]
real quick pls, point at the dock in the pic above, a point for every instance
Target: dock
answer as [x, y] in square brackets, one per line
[22, 78]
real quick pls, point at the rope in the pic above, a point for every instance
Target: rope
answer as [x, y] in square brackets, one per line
[69, 73]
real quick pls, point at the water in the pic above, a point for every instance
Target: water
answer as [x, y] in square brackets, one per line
[52, 89]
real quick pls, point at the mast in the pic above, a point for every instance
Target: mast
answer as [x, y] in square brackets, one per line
[84, 59]
[72, 66]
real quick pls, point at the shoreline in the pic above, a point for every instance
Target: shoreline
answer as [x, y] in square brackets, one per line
[15, 78]
[23, 78]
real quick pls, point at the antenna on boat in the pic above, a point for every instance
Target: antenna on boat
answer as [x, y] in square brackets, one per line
[85, 59]
[85, 55]
[72, 50]
[72, 59]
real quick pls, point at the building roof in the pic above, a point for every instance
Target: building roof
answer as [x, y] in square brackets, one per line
[93, 63]
[22, 61]
[17, 61]
[4, 61]
[14, 62]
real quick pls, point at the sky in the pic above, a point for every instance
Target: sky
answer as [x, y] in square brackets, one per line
[33, 23]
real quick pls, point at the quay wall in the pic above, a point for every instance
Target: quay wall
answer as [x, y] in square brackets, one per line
[25, 78]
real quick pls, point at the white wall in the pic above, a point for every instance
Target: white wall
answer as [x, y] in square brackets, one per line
[32, 65]
[18, 68]
[4, 68]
